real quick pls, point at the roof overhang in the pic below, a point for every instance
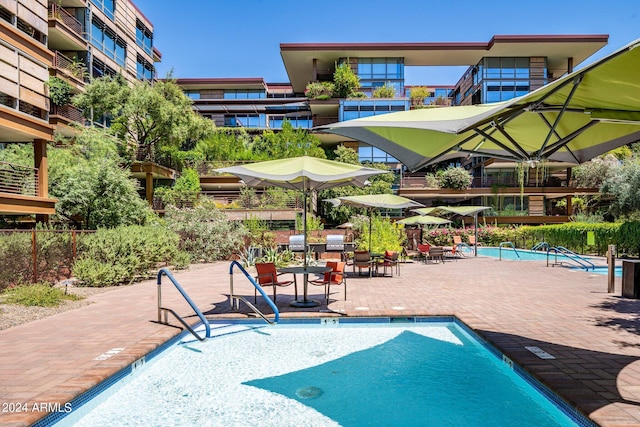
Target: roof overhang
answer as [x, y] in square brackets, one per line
[298, 57]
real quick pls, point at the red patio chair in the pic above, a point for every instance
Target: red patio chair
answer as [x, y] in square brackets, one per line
[268, 276]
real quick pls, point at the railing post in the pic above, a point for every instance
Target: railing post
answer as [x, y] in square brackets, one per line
[611, 262]
[34, 255]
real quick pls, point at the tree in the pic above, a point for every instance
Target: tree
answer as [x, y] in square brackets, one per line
[624, 186]
[595, 172]
[455, 178]
[154, 117]
[345, 81]
[59, 91]
[287, 143]
[91, 187]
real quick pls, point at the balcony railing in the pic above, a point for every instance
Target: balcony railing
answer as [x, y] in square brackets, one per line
[485, 182]
[59, 13]
[18, 179]
[73, 68]
[69, 112]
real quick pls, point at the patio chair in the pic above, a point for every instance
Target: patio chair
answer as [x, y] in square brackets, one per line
[362, 259]
[390, 260]
[423, 250]
[436, 253]
[268, 276]
[457, 240]
[334, 277]
[454, 252]
[472, 241]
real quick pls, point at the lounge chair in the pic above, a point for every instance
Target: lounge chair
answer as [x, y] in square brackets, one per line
[457, 240]
[390, 260]
[362, 259]
[268, 276]
[334, 277]
[472, 240]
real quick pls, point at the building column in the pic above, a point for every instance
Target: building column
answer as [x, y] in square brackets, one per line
[42, 165]
[569, 206]
[570, 65]
[314, 70]
[149, 187]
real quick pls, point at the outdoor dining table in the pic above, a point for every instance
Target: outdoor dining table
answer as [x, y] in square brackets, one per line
[305, 271]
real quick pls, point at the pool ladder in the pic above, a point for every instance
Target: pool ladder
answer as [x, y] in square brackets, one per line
[510, 244]
[235, 300]
[165, 311]
[569, 255]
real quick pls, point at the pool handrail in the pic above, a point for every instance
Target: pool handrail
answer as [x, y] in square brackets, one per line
[541, 246]
[235, 299]
[569, 254]
[507, 244]
[165, 271]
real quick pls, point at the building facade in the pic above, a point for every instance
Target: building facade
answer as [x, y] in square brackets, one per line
[498, 70]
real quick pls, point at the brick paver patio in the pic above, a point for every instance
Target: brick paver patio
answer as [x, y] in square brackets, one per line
[594, 335]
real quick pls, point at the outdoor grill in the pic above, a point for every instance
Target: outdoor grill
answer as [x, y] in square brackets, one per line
[296, 243]
[335, 243]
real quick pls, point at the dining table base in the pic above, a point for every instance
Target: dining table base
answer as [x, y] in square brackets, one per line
[304, 303]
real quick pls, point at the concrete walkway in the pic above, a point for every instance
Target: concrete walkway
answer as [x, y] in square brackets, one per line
[593, 335]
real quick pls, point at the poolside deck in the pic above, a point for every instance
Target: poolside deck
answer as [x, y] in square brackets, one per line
[594, 335]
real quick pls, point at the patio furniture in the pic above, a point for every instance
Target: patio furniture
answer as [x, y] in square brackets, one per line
[390, 261]
[362, 259]
[436, 253]
[423, 250]
[334, 277]
[268, 276]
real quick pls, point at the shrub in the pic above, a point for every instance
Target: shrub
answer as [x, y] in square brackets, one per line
[456, 178]
[15, 259]
[206, 233]
[39, 294]
[345, 80]
[386, 91]
[316, 90]
[125, 254]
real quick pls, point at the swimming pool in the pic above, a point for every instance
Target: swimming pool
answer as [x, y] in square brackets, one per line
[335, 372]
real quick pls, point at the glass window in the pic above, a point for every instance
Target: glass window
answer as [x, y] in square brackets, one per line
[107, 7]
[144, 37]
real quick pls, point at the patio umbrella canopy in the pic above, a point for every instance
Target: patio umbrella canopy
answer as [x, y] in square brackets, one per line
[304, 174]
[371, 201]
[457, 210]
[573, 119]
[424, 220]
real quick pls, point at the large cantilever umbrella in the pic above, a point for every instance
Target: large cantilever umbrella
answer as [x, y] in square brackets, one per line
[371, 201]
[573, 119]
[424, 220]
[305, 174]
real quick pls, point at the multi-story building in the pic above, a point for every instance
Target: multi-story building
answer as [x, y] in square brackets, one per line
[73, 40]
[24, 105]
[497, 70]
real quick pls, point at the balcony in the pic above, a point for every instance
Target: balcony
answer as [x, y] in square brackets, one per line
[18, 179]
[65, 31]
[72, 71]
[64, 116]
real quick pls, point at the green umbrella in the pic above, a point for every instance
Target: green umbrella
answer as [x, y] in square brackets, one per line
[370, 201]
[423, 220]
[305, 174]
[573, 119]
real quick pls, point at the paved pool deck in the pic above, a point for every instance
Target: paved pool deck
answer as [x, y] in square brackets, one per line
[593, 335]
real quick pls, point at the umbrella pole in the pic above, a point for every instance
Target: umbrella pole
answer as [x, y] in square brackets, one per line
[304, 232]
[370, 251]
[475, 230]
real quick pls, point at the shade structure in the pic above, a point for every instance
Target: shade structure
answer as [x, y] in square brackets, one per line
[572, 119]
[458, 210]
[424, 220]
[304, 174]
[372, 201]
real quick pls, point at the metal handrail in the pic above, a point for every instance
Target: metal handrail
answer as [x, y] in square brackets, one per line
[184, 294]
[507, 244]
[569, 254]
[234, 300]
[541, 246]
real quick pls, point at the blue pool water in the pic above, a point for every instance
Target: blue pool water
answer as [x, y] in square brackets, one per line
[328, 374]
[527, 255]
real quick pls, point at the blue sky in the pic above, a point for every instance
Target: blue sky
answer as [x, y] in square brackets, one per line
[241, 38]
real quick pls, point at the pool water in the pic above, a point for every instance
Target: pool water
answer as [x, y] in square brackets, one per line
[328, 375]
[527, 255]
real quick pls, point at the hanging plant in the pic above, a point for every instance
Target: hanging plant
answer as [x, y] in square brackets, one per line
[522, 169]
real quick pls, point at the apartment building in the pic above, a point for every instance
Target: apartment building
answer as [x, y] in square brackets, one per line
[24, 105]
[71, 40]
[502, 68]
